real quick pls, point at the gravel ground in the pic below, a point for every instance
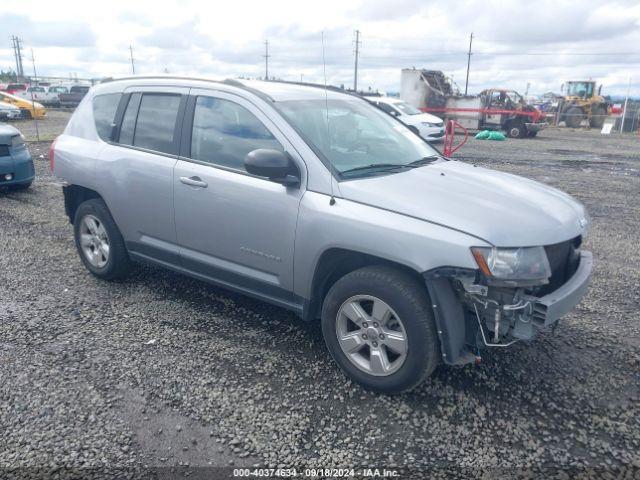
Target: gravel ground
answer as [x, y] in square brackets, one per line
[127, 379]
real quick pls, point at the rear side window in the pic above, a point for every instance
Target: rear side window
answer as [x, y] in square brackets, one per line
[224, 132]
[104, 112]
[156, 122]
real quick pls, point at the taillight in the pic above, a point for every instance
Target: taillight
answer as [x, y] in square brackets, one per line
[52, 153]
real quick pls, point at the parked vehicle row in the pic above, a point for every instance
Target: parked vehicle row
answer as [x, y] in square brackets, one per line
[319, 202]
[49, 95]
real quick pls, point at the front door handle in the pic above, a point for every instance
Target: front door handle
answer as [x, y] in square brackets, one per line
[194, 182]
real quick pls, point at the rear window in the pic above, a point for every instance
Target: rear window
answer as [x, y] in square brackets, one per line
[79, 89]
[104, 113]
[156, 122]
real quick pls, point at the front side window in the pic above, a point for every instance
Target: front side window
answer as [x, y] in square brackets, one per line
[225, 132]
[104, 112]
[356, 138]
[156, 122]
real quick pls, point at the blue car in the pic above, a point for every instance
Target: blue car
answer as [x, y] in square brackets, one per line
[16, 165]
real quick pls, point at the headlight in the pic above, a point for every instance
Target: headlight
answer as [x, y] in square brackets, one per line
[429, 124]
[524, 263]
[17, 141]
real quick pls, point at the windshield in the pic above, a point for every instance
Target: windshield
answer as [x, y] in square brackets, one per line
[406, 108]
[580, 89]
[358, 135]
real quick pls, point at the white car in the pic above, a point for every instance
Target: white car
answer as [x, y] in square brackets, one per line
[428, 126]
[46, 95]
[9, 112]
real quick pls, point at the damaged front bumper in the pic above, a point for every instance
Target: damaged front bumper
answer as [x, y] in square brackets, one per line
[470, 316]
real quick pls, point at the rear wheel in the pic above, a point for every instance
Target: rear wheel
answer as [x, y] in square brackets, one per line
[573, 117]
[99, 242]
[598, 114]
[516, 129]
[378, 325]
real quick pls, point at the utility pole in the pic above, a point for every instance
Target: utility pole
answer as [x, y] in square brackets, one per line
[626, 101]
[266, 59]
[33, 102]
[466, 83]
[15, 54]
[18, 55]
[355, 69]
[133, 66]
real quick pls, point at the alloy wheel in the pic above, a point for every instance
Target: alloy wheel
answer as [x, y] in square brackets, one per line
[94, 241]
[371, 335]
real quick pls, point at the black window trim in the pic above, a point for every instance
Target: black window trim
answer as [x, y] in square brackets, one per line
[177, 129]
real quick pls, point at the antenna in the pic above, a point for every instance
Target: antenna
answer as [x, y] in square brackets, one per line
[332, 201]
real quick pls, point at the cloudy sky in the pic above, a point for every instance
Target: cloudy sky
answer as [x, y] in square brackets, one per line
[540, 42]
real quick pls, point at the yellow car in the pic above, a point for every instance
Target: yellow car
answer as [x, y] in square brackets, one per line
[29, 109]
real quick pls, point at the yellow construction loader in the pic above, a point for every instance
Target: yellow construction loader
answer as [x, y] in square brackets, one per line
[581, 102]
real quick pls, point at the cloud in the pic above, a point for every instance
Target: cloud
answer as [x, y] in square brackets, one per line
[200, 39]
[47, 33]
[182, 36]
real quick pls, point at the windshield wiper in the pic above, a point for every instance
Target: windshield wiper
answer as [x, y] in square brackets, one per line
[394, 166]
[423, 161]
[373, 166]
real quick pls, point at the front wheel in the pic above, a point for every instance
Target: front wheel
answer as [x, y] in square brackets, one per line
[99, 242]
[516, 129]
[378, 325]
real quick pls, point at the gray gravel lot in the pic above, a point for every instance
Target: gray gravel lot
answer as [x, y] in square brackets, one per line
[160, 370]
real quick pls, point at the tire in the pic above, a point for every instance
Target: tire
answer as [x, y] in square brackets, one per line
[116, 263]
[408, 306]
[516, 129]
[531, 134]
[598, 115]
[26, 114]
[573, 117]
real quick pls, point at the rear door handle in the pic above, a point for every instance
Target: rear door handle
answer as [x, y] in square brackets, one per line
[194, 182]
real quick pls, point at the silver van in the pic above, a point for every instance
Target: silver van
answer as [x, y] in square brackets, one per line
[314, 200]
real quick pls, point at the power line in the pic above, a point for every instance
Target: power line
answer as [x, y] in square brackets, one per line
[355, 69]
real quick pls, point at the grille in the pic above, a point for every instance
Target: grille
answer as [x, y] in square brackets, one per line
[563, 260]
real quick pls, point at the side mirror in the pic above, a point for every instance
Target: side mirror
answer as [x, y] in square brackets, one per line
[273, 164]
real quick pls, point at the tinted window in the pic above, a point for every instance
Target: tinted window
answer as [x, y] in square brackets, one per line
[224, 132]
[104, 112]
[156, 122]
[386, 108]
[129, 120]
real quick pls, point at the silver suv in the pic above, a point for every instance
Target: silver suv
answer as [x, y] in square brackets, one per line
[316, 201]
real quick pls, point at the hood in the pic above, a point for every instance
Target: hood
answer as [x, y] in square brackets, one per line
[6, 132]
[502, 209]
[427, 117]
